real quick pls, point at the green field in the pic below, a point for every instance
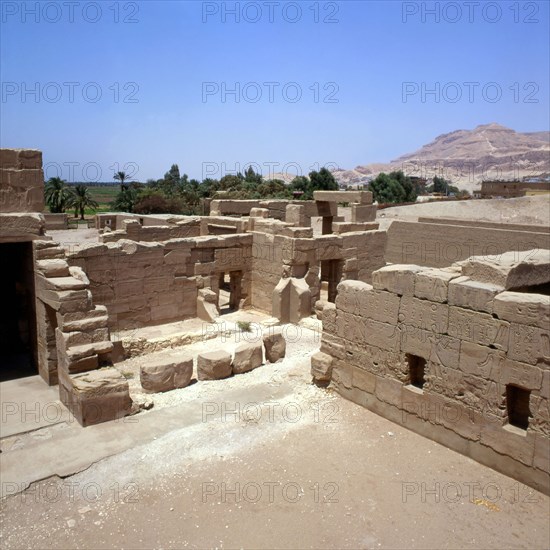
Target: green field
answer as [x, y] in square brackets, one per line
[104, 196]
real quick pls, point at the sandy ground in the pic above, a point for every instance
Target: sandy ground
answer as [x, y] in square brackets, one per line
[301, 469]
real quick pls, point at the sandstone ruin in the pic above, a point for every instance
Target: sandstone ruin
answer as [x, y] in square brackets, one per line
[441, 326]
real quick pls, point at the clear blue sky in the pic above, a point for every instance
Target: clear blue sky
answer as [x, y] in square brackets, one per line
[159, 55]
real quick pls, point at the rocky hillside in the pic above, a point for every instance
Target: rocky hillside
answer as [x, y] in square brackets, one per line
[466, 157]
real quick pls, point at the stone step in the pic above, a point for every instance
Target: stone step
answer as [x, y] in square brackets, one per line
[53, 268]
[74, 353]
[55, 252]
[85, 325]
[63, 283]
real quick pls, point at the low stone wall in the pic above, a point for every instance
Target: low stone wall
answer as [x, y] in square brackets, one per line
[134, 231]
[145, 283]
[454, 354]
[56, 221]
[442, 242]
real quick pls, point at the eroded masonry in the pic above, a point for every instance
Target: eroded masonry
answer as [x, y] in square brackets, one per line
[439, 325]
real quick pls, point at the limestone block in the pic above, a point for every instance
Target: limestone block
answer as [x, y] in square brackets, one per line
[541, 457]
[479, 328]
[352, 227]
[424, 314]
[213, 365]
[389, 391]
[361, 299]
[247, 357]
[445, 350]
[529, 344]
[329, 318]
[275, 345]
[519, 374]
[382, 335]
[363, 213]
[319, 306]
[207, 307]
[364, 380]
[432, 284]
[481, 361]
[523, 308]
[321, 367]
[296, 215]
[469, 294]
[398, 279]
[259, 213]
[53, 268]
[416, 341]
[166, 373]
[510, 270]
[95, 396]
[18, 224]
[362, 197]
[300, 300]
[507, 442]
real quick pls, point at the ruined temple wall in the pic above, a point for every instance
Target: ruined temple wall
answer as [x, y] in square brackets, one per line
[152, 283]
[275, 256]
[133, 230]
[440, 243]
[479, 340]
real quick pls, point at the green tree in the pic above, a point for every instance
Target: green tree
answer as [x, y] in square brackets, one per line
[323, 180]
[252, 177]
[126, 200]
[57, 195]
[80, 200]
[411, 191]
[386, 189]
[302, 183]
[121, 177]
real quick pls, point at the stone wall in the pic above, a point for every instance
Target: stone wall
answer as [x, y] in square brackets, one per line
[442, 242]
[21, 180]
[276, 256]
[56, 221]
[145, 283]
[134, 231]
[456, 354]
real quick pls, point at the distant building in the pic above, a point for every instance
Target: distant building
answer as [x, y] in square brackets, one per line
[509, 189]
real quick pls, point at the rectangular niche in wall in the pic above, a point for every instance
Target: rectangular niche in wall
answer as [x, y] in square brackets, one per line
[417, 366]
[517, 405]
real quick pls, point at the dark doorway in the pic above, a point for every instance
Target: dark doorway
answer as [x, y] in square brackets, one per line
[230, 293]
[17, 312]
[331, 275]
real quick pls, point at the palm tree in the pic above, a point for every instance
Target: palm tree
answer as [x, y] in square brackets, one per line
[121, 176]
[82, 199]
[57, 195]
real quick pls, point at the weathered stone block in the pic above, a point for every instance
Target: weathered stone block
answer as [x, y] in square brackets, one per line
[469, 294]
[321, 367]
[247, 357]
[478, 327]
[398, 279]
[529, 344]
[510, 270]
[166, 373]
[523, 308]
[95, 396]
[275, 345]
[213, 365]
[424, 314]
